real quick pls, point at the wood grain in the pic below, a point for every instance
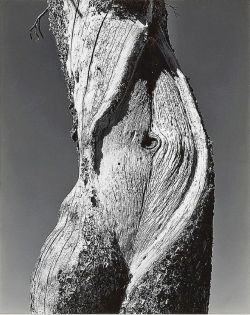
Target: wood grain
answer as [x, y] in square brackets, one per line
[135, 233]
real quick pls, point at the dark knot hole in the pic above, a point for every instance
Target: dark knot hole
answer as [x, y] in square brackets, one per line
[150, 141]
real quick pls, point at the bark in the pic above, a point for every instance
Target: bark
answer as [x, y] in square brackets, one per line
[135, 233]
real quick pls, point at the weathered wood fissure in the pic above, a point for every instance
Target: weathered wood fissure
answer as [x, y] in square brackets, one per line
[135, 233]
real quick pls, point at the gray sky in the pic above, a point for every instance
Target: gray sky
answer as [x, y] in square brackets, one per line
[38, 158]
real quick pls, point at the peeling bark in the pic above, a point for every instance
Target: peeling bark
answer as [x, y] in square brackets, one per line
[135, 233]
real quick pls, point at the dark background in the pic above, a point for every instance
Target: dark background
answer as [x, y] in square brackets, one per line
[38, 158]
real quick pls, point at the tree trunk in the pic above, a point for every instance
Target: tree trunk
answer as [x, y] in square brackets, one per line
[135, 233]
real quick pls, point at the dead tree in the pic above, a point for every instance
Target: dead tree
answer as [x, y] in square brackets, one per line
[135, 233]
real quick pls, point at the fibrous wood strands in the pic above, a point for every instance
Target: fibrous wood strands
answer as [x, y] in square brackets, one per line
[135, 233]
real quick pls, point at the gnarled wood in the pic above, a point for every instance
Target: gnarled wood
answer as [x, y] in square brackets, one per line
[135, 233]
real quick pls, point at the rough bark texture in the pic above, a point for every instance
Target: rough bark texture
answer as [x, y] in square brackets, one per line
[135, 233]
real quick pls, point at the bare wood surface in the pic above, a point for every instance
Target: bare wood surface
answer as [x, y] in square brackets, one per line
[135, 233]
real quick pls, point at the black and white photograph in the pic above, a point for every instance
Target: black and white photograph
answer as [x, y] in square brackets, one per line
[124, 157]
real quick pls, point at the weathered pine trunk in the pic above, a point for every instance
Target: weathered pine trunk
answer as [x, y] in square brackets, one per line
[135, 233]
